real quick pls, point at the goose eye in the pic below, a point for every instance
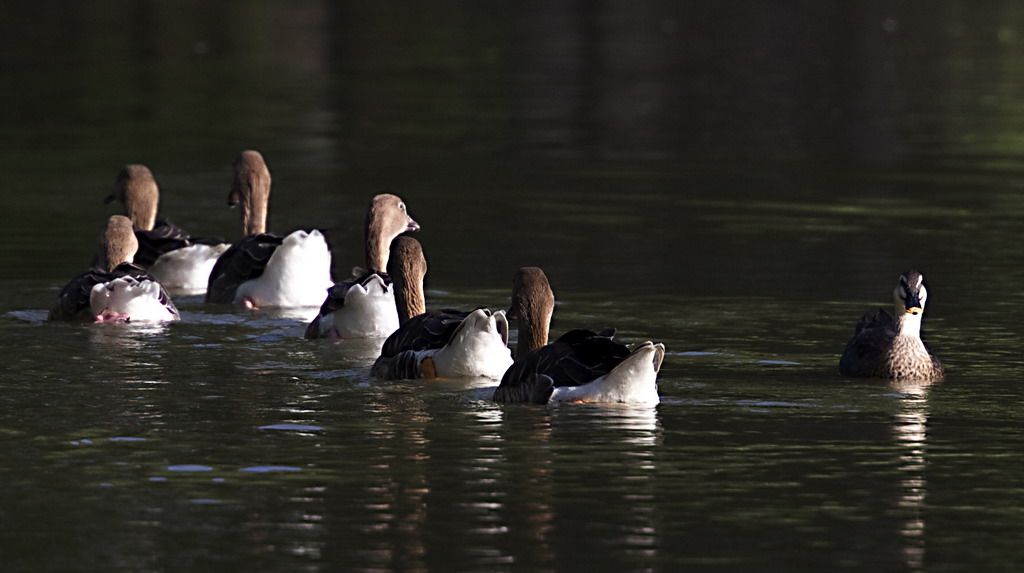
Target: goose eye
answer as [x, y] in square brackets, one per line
[401, 206]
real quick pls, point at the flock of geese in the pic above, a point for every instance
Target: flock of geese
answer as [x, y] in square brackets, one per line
[140, 260]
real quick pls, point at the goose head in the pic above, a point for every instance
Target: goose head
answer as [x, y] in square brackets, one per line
[386, 219]
[407, 267]
[909, 298]
[910, 294]
[250, 191]
[137, 190]
[117, 243]
[533, 303]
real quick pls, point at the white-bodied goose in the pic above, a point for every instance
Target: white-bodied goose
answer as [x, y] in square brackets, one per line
[265, 270]
[180, 262]
[887, 347]
[440, 343]
[363, 306]
[581, 366]
[115, 290]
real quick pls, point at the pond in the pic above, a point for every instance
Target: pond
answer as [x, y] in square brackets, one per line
[737, 181]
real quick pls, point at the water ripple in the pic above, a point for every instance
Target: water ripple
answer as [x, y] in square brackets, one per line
[292, 428]
[268, 469]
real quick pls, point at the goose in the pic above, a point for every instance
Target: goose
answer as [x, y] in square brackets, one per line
[266, 270]
[363, 306]
[180, 262]
[887, 347]
[443, 343]
[115, 290]
[581, 366]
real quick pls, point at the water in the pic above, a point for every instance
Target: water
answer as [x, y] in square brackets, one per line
[736, 181]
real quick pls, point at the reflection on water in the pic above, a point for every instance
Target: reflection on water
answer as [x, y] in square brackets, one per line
[125, 341]
[910, 430]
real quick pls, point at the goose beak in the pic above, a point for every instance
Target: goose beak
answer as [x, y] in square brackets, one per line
[235, 194]
[412, 226]
[914, 305]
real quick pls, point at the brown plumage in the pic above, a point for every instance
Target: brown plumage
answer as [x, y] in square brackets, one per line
[136, 189]
[402, 355]
[577, 357]
[116, 248]
[386, 219]
[247, 259]
[886, 347]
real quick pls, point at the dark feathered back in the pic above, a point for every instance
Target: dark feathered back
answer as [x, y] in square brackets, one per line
[73, 301]
[576, 358]
[164, 238]
[245, 260]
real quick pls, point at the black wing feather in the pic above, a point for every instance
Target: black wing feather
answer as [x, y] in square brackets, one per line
[432, 329]
[336, 294]
[576, 358]
[164, 238]
[865, 351]
[244, 261]
[73, 301]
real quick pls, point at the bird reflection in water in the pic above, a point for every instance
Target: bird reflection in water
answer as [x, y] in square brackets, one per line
[129, 342]
[910, 430]
[553, 457]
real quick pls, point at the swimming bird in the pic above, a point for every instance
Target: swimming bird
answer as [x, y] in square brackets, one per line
[887, 347]
[266, 270]
[581, 366]
[180, 262]
[115, 290]
[363, 306]
[442, 343]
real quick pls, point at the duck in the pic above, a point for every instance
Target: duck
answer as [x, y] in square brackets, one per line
[180, 262]
[582, 366]
[263, 269]
[445, 343]
[363, 306]
[114, 289]
[886, 347]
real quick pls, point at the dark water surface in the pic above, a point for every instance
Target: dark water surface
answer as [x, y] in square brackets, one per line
[737, 180]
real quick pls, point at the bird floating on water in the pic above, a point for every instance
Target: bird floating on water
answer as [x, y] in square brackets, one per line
[886, 347]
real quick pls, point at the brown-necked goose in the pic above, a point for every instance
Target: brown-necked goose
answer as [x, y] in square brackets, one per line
[180, 262]
[440, 343]
[581, 366]
[363, 306]
[887, 347]
[115, 290]
[266, 270]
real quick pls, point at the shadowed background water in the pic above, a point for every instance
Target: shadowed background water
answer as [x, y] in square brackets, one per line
[737, 180]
